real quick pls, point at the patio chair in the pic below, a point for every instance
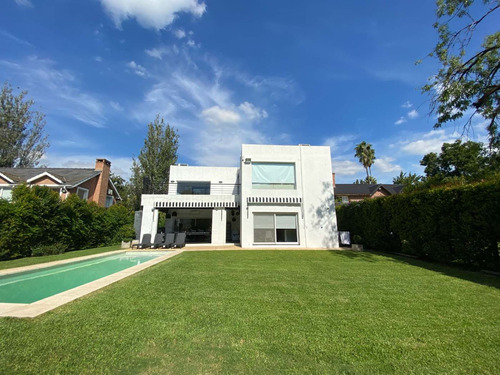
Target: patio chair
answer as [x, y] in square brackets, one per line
[169, 240]
[146, 242]
[158, 242]
[180, 240]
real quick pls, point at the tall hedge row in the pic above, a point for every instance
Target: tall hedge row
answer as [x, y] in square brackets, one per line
[454, 225]
[37, 217]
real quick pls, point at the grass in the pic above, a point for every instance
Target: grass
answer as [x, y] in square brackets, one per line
[269, 312]
[50, 258]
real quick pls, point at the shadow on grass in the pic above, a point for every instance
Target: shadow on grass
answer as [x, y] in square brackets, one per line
[453, 271]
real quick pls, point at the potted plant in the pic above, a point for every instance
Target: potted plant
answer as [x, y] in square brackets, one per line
[357, 242]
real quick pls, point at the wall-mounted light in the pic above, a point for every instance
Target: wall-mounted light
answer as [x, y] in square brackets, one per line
[248, 160]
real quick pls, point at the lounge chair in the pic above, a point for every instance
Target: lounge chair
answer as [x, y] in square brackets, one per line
[169, 240]
[158, 242]
[146, 242]
[180, 240]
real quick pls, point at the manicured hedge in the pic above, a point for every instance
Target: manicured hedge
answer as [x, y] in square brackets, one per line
[37, 222]
[453, 225]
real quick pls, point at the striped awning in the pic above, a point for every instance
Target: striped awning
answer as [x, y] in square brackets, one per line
[194, 204]
[274, 200]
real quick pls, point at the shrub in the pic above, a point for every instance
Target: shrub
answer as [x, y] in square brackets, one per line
[38, 222]
[41, 250]
[357, 239]
[459, 224]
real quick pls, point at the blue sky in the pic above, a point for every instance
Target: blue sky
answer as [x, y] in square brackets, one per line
[225, 73]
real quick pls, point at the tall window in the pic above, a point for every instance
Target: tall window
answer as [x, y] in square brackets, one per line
[273, 175]
[193, 188]
[275, 228]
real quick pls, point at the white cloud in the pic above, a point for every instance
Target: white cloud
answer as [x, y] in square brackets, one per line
[24, 3]
[192, 43]
[413, 114]
[98, 58]
[407, 104]
[138, 69]
[429, 142]
[155, 14]
[179, 33]
[252, 112]
[56, 89]
[116, 106]
[346, 167]
[218, 116]
[15, 38]
[401, 120]
[385, 165]
[340, 143]
[161, 51]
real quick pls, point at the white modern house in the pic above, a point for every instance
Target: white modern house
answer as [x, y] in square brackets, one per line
[280, 197]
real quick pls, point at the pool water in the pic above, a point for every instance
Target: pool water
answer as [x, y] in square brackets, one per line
[31, 286]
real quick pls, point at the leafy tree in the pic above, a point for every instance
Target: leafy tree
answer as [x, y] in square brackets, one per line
[366, 155]
[467, 160]
[467, 83]
[151, 172]
[407, 179]
[22, 140]
[367, 180]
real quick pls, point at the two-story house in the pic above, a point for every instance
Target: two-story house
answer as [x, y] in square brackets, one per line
[279, 196]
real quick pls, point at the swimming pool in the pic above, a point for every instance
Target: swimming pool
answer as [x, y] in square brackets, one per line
[31, 286]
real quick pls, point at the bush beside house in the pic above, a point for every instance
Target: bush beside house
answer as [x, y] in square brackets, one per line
[449, 224]
[37, 222]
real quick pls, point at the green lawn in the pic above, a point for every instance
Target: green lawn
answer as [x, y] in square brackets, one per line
[272, 312]
[50, 258]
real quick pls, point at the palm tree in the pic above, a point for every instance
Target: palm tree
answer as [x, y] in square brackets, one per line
[366, 155]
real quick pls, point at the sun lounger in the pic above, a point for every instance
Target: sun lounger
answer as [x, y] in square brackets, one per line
[146, 242]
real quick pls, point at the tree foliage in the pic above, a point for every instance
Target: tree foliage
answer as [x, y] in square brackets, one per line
[367, 180]
[468, 161]
[22, 139]
[151, 170]
[467, 83]
[366, 156]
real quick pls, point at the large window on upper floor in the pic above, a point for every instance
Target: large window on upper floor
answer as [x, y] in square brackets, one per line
[193, 188]
[273, 175]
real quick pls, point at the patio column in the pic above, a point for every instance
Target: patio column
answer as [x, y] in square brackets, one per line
[149, 223]
[219, 226]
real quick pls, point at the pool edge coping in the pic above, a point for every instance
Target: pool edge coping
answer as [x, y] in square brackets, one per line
[31, 310]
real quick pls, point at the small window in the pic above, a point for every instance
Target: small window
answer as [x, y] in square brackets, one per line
[275, 228]
[109, 201]
[273, 175]
[193, 188]
[82, 193]
[345, 199]
[6, 193]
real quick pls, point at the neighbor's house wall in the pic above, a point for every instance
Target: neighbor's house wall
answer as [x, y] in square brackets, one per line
[317, 222]
[91, 185]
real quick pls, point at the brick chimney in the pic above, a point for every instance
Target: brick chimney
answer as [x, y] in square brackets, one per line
[101, 188]
[333, 178]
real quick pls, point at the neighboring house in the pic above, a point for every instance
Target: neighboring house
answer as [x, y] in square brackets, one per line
[89, 184]
[280, 196]
[345, 193]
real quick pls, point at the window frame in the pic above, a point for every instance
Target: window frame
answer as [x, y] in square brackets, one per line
[86, 193]
[276, 242]
[193, 184]
[275, 185]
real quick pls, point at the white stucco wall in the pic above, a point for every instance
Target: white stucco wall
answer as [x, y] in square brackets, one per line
[317, 224]
[316, 218]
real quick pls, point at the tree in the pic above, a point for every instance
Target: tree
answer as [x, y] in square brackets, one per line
[407, 179]
[367, 180]
[467, 83]
[150, 173]
[22, 139]
[467, 160]
[366, 155]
